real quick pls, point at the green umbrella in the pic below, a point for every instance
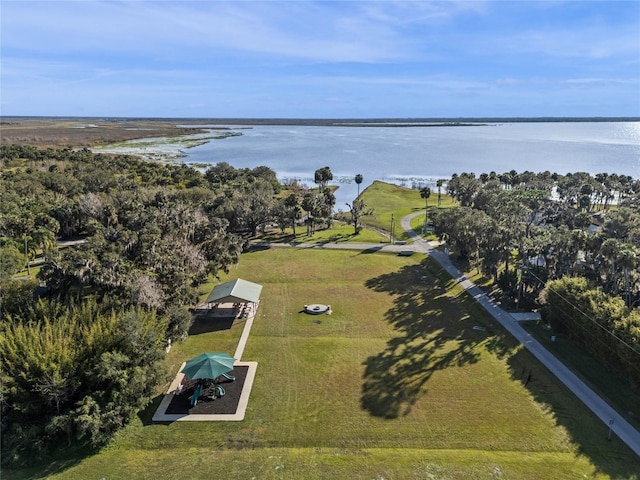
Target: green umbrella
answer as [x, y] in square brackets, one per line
[208, 365]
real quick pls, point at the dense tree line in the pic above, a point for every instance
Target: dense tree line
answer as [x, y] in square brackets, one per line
[529, 230]
[600, 323]
[82, 359]
[76, 372]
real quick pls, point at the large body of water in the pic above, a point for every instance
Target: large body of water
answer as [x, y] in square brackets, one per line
[421, 155]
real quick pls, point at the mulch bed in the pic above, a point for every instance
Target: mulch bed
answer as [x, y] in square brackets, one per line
[228, 404]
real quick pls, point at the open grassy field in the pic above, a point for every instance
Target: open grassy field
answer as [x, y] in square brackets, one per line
[396, 384]
[386, 200]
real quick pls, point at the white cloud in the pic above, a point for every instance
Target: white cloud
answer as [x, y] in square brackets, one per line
[403, 12]
[586, 42]
[261, 53]
[601, 81]
[314, 32]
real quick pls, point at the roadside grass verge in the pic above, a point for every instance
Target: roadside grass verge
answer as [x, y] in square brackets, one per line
[600, 378]
[417, 224]
[396, 383]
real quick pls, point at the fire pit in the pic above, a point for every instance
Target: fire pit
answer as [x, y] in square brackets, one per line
[317, 309]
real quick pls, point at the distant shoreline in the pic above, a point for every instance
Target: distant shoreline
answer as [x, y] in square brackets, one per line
[337, 122]
[104, 132]
[407, 124]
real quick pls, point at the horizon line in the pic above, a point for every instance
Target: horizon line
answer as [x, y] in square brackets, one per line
[342, 119]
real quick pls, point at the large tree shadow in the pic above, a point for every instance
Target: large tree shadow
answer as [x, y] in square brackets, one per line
[204, 321]
[435, 332]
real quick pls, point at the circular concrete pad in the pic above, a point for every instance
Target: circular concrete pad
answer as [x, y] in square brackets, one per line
[317, 309]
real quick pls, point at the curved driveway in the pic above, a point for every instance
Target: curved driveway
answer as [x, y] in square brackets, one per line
[625, 431]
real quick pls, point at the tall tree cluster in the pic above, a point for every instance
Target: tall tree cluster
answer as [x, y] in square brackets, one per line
[80, 361]
[530, 230]
[315, 206]
[600, 323]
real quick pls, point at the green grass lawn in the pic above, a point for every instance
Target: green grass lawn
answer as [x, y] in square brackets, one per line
[338, 233]
[24, 274]
[388, 199]
[396, 383]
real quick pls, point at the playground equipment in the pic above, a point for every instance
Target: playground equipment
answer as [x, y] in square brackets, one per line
[196, 395]
[214, 391]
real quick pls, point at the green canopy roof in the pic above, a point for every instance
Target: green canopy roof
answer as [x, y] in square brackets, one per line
[235, 291]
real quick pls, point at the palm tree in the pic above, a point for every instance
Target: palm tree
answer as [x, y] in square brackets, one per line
[425, 192]
[310, 205]
[322, 177]
[358, 210]
[627, 259]
[358, 179]
[439, 184]
[610, 250]
[326, 203]
[45, 239]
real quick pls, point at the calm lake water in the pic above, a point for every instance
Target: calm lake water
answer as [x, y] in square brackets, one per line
[421, 155]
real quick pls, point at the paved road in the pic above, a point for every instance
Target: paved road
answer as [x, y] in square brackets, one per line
[623, 429]
[62, 243]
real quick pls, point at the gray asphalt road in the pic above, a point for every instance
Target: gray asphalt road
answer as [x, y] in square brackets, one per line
[64, 243]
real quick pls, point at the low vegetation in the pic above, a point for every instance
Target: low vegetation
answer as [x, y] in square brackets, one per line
[76, 371]
[74, 132]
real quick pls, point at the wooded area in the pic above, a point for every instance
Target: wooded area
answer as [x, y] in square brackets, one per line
[87, 354]
[567, 244]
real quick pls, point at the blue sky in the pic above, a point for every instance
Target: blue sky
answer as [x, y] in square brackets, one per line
[325, 59]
